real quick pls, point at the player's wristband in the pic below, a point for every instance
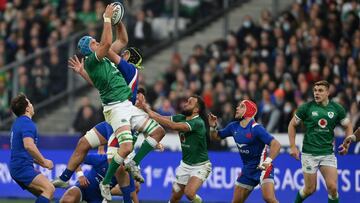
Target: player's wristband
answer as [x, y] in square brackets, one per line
[79, 174]
[107, 20]
[268, 160]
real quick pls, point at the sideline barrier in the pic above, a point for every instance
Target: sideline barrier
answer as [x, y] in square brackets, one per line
[159, 172]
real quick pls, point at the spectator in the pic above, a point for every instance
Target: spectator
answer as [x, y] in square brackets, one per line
[85, 118]
[140, 32]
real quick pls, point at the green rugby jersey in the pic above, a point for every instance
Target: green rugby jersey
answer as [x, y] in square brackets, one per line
[193, 143]
[107, 79]
[320, 122]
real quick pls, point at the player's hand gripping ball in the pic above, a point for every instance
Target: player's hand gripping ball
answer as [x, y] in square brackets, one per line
[118, 13]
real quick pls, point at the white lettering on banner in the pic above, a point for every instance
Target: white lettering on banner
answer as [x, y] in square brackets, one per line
[217, 178]
[276, 179]
[169, 176]
[357, 182]
[222, 178]
[347, 184]
[287, 180]
[298, 173]
[148, 173]
[5, 176]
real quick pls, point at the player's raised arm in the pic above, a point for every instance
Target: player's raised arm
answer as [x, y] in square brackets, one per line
[122, 38]
[166, 121]
[213, 127]
[106, 37]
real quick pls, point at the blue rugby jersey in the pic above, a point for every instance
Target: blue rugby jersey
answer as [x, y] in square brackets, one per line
[131, 75]
[22, 127]
[251, 141]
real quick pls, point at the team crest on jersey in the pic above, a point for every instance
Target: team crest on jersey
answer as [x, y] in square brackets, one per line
[331, 114]
[314, 113]
[322, 123]
[248, 135]
[182, 138]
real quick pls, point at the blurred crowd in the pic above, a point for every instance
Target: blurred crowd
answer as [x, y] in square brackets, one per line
[272, 61]
[30, 27]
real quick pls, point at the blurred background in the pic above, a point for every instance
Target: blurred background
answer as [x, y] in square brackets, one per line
[269, 51]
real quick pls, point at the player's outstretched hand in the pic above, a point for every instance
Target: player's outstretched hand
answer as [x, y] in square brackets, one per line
[294, 152]
[48, 164]
[83, 181]
[141, 104]
[75, 64]
[212, 119]
[109, 10]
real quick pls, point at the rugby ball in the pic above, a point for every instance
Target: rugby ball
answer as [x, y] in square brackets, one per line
[118, 13]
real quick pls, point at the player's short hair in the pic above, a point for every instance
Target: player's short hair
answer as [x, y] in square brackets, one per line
[142, 91]
[322, 83]
[135, 57]
[19, 104]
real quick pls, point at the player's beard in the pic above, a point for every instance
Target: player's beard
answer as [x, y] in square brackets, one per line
[186, 112]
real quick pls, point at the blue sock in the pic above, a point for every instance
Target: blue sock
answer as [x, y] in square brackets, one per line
[66, 175]
[42, 199]
[128, 190]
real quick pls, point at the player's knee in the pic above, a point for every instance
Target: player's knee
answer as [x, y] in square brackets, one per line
[332, 189]
[190, 194]
[309, 189]
[137, 187]
[68, 199]
[269, 198]
[127, 147]
[48, 190]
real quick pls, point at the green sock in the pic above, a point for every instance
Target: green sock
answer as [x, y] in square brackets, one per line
[143, 151]
[333, 200]
[298, 199]
[110, 172]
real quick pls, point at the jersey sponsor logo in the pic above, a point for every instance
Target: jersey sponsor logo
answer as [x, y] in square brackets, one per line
[331, 114]
[243, 151]
[314, 113]
[241, 145]
[322, 123]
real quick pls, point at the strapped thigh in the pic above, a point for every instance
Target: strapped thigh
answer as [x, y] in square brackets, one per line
[92, 137]
[150, 126]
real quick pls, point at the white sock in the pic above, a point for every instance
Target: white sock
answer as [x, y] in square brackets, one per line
[152, 142]
[332, 198]
[118, 159]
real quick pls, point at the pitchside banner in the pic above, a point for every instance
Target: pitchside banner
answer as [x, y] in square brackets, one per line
[159, 172]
